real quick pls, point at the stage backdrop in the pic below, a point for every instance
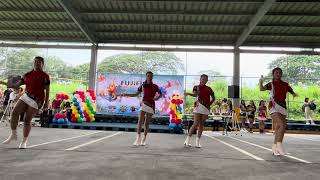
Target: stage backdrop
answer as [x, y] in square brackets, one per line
[109, 86]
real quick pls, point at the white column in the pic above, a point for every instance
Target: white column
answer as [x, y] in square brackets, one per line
[93, 67]
[236, 78]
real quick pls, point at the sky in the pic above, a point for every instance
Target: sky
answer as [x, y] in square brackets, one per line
[251, 65]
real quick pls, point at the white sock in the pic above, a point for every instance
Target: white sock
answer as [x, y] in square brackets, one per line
[137, 142]
[198, 142]
[187, 141]
[280, 148]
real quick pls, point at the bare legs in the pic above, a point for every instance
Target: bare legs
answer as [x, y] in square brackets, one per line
[19, 108]
[143, 118]
[198, 123]
[280, 126]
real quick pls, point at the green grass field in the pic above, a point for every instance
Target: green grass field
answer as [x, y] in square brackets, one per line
[67, 89]
[221, 91]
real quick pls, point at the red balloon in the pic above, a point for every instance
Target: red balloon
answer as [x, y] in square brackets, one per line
[174, 121]
[74, 119]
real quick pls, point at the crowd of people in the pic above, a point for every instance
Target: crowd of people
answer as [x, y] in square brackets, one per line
[248, 113]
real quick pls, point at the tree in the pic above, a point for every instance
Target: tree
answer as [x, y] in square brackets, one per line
[19, 61]
[298, 68]
[210, 72]
[157, 62]
[58, 68]
[82, 68]
[81, 72]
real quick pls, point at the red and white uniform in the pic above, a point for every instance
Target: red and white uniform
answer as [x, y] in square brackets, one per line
[149, 91]
[204, 94]
[35, 82]
[262, 113]
[278, 95]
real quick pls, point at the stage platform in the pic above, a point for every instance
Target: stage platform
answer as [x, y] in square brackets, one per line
[161, 124]
[129, 127]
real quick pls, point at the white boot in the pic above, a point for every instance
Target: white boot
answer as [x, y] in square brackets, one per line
[23, 144]
[187, 141]
[307, 122]
[137, 142]
[13, 137]
[274, 150]
[143, 142]
[280, 149]
[312, 122]
[198, 145]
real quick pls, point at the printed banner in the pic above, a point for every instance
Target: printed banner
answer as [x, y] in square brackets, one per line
[110, 86]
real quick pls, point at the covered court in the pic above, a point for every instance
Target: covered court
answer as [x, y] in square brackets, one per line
[234, 26]
[87, 154]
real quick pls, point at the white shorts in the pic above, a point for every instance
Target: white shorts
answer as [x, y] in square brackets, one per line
[201, 109]
[147, 109]
[278, 109]
[32, 103]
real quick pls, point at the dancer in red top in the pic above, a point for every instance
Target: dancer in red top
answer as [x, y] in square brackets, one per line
[151, 93]
[278, 109]
[35, 98]
[205, 98]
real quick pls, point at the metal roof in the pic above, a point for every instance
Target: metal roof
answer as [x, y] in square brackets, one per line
[198, 22]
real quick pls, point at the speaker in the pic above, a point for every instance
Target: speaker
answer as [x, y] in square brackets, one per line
[233, 91]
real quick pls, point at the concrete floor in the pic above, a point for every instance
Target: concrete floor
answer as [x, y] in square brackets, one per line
[71, 154]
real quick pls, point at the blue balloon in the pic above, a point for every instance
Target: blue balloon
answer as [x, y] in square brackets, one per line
[180, 126]
[172, 125]
[74, 100]
[65, 121]
[54, 120]
[60, 120]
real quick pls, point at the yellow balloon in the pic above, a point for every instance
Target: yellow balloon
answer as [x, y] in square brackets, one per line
[77, 116]
[179, 116]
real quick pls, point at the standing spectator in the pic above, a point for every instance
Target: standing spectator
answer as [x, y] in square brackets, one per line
[262, 116]
[313, 107]
[243, 116]
[6, 94]
[224, 107]
[308, 113]
[251, 108]
[230, 108]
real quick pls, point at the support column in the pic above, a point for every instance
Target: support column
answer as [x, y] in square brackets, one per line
[93, 67]
[236, 79]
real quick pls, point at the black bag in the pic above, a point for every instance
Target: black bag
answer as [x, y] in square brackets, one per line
[303, 107]
[313, 106]
[45, 118]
